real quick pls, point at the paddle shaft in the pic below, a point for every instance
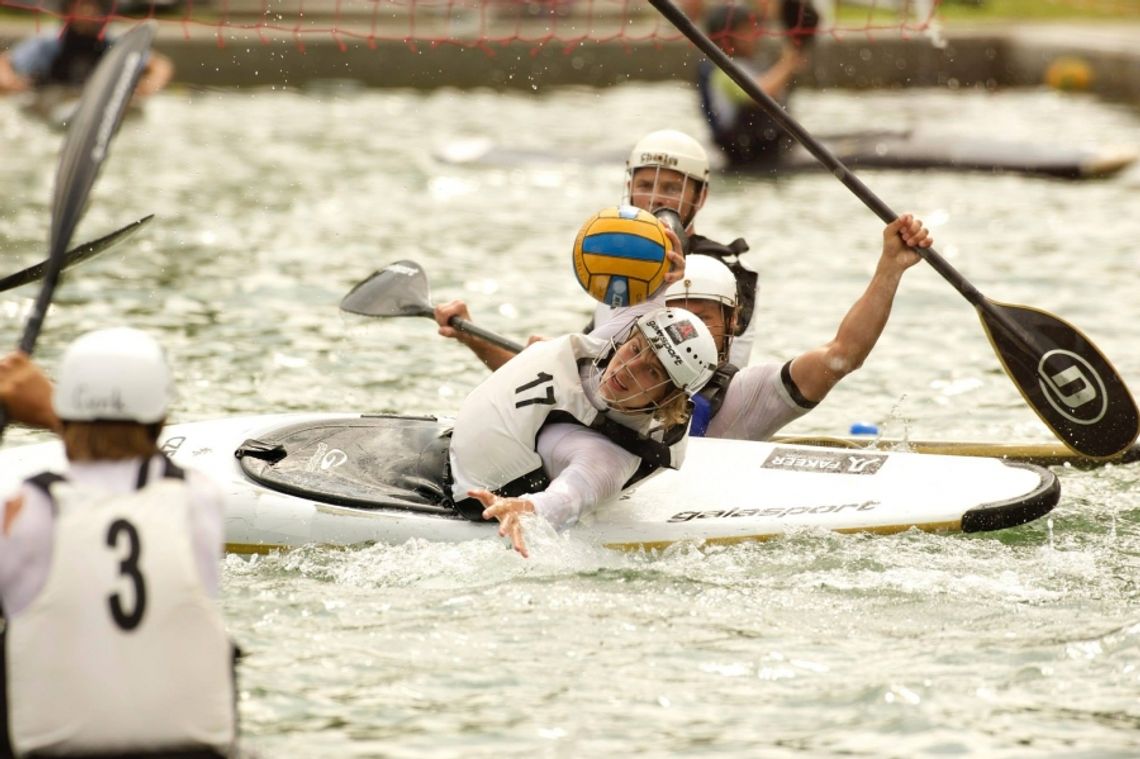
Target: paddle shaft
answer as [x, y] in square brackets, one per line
[838, 169]
[1067, 381]
[472, 329]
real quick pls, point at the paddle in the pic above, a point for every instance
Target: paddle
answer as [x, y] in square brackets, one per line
[1065, 379]
[101, 107]
[401, 289]
[75, 255]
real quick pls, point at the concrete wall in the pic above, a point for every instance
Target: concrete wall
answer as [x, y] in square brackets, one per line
[993, 57]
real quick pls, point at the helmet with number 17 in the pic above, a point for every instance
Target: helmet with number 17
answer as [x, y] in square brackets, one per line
[668, 169]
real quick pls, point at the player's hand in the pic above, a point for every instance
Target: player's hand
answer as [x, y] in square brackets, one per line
[508, 511]
[445, 312]
[676, 260]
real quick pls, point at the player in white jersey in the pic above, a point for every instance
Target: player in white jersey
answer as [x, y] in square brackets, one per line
[754, 402]
[109, 575]
[573, 421]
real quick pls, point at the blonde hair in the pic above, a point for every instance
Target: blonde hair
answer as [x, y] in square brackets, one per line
[110, 441]
[673, 410]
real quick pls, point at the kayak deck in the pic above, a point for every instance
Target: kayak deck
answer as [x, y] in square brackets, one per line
[380, 478]
[348, 479]
[374, 462]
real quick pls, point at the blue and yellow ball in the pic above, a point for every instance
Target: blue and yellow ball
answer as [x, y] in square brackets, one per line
[621, 256]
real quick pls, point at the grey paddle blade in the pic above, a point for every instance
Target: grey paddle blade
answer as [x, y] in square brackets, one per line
[399, 289]
[1065, 378]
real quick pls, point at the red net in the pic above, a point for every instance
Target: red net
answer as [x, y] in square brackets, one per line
[472, 23]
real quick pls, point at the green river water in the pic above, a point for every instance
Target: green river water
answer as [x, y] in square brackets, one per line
[270, 205]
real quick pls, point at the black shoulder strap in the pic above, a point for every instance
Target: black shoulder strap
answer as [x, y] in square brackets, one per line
[717, 387]
[44, 480]
[706, 247]
[672, 436]
[655, 452]
[472, 509]
[169, 470]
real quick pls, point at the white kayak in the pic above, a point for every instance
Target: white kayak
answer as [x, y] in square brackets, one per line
[877, 150]
[296, 479]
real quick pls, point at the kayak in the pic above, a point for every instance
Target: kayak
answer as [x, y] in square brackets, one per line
[863, 150]
[344, 479]
[915, 151]
[55, 105]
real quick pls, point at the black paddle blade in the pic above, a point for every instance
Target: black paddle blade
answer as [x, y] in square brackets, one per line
[1064, 377]
[76, 255]
[101, 108]
[399, 289]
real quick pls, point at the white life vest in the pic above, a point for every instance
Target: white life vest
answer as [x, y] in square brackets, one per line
[493, 444]
[122, 650]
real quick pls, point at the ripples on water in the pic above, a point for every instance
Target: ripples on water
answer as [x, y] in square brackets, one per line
[271, 205]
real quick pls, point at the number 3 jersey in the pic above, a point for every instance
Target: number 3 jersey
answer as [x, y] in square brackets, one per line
[122, 647]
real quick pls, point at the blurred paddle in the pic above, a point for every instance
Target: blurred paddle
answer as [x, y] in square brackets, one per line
[101, 107]
[401, 289]
[75, 255]
[1064, 378]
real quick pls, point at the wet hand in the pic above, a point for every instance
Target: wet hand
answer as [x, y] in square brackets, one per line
[445, 312]
[508, 511]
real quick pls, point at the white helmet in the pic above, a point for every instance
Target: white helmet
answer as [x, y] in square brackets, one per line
[117, 374]
[706, 278]
[683, 345]
[670, 149]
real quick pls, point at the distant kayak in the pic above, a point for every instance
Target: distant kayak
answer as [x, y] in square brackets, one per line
[55, 105]
[900, 151]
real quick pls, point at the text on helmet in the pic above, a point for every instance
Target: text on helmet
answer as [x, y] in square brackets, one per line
[659, 342]
[663, 159]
